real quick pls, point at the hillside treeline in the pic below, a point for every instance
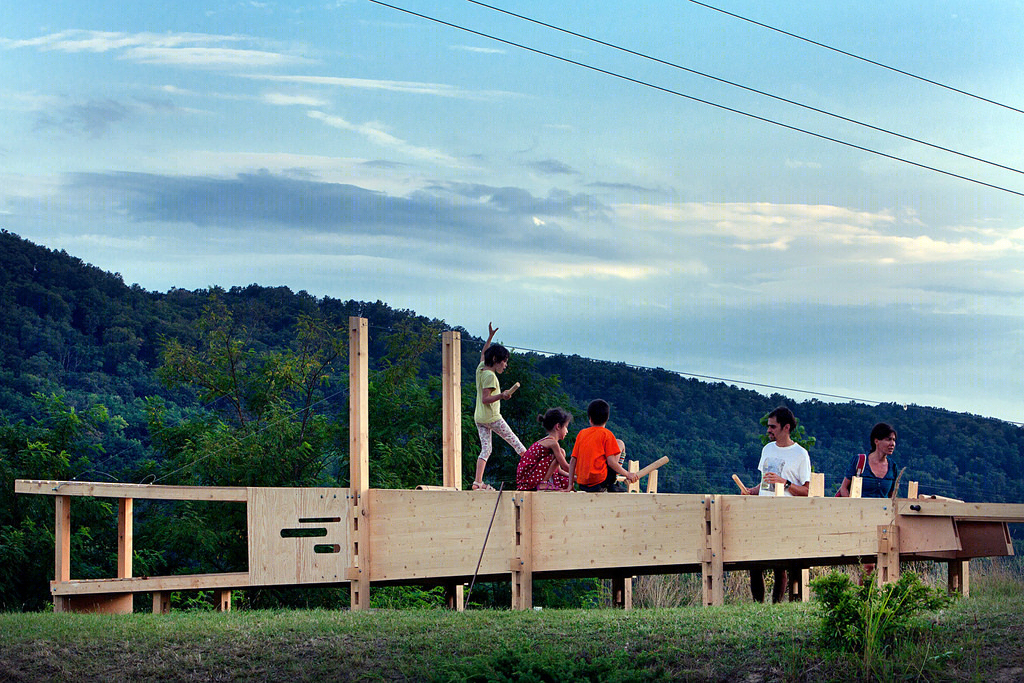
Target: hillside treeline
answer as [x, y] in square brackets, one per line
[248, 386]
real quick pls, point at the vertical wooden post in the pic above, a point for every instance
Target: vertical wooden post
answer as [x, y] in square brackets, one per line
[634, 466]
[911, 489]
[817, 486]
[856, 484]
[960, 577]
[712, 568]
[62, 549]
[125, 549]
[652, 482]
[522, 563]
[161, 602]
[359, 460]
[451, 436]
[887, 569]
[224, 600]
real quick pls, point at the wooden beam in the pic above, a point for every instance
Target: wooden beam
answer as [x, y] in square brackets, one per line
[161, 602]
[359, 459]
[911, 489]
[887, 568]
[713, 566]
[856, 485]
[235, 494]
[817, 485]
[149, 584]
[991, 512]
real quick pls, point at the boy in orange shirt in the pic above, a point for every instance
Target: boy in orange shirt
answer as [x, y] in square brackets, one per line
[595, 455]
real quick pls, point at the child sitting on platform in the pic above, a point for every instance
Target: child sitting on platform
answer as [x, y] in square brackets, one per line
[543, 466]
[595, 455]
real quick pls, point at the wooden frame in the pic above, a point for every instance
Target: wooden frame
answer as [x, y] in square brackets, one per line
[307, 536]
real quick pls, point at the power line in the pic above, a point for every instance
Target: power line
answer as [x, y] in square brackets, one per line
[701, 101]
[747, 88]
[854, 56]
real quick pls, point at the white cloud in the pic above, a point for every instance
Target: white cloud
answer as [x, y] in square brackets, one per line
[375, 134]
[284, 99]
[411, 87]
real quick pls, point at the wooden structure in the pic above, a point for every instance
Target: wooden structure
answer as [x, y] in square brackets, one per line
[363, 536]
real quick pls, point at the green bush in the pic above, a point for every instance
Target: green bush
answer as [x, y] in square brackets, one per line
[869, 619]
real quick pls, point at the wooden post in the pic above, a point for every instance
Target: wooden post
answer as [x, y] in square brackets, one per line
[856, 483]
[634, 487]
[451, 437]
[911, 489]
[224, 600]
[712, 568]
[62, 549]
[887, 569]
[522, 563]
[161, 602]
[960, 577]
[359, 461]
[622, 592]
[817, 486]
[125, 549]
[652, 482]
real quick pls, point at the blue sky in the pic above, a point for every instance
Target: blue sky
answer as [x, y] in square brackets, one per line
[355, 151]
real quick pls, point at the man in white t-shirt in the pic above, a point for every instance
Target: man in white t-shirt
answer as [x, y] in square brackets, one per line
[783, 461]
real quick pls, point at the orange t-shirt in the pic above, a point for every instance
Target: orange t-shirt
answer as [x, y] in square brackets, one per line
[591, 450]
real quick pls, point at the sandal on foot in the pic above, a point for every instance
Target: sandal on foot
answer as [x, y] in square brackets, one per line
[482, 486]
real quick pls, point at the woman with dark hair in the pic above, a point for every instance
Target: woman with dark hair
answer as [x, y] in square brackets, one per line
[877, 468]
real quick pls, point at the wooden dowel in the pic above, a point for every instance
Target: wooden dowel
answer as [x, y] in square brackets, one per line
[739, 483]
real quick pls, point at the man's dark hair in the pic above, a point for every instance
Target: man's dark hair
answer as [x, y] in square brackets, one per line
[598, 411]
[784, 416]
[495, 353]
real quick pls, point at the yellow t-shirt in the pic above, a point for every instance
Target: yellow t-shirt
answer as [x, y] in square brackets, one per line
[486, 379]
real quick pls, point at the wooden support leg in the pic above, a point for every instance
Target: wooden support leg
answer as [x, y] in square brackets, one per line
[455, 597]
[712, 568]
[887, 569]
[522, 563]
[125, 550]
[960, 577]
[224, 600]
[619, 591]
[798, 585]
[62, 549]
[161, 602]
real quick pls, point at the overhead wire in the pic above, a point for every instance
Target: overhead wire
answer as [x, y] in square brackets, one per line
[858, 57]
[723, 107]
[748, 88]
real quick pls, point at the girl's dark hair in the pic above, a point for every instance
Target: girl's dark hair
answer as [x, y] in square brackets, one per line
[495, 353]
[554, 417]
[880, 431]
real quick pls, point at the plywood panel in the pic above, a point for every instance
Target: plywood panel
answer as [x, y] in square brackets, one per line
[604, 530]
[277, 560]
[424, 534]
[762, 528]
[927, 534]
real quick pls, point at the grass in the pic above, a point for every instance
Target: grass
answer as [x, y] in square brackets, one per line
[980, 638]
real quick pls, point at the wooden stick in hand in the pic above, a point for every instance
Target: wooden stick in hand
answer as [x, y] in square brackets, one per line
[743, 489]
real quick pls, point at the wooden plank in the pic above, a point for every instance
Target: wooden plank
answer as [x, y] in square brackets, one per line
[235, 494]
[359, 460]
[148, 584]
[581, 531]
[451, 408]
[124, 538]
[438, 534]
[993, 512]
[279, 551]
[61, 547]
[768, 528]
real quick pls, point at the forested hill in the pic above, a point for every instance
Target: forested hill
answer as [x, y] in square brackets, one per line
[74, 336]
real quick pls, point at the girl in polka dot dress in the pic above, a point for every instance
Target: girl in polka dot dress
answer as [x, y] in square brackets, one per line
[543, 465]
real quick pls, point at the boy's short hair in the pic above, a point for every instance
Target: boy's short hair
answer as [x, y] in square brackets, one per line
[495, 353]
[598, 411]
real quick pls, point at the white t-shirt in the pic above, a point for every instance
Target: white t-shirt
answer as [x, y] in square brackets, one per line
[791, 462]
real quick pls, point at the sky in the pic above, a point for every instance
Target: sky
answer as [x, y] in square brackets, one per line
[586, 199]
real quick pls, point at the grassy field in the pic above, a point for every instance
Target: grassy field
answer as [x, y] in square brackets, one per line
[980, 638]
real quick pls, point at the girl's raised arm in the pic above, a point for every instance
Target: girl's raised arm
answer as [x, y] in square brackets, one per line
[491, 330]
